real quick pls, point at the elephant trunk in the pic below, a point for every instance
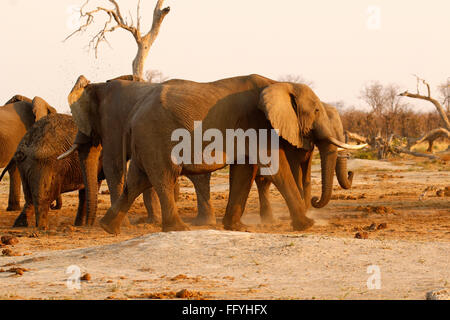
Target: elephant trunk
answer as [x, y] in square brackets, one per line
[89, 160]
[328, 156]
[345, 178]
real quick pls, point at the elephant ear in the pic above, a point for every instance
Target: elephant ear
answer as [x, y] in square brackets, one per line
[18, 98]
[276, 102]
[79, 102]
[41, 108]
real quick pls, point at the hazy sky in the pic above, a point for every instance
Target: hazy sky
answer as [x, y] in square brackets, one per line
[336, 44]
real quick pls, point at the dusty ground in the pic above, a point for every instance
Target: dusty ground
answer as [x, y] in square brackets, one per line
[408, 238]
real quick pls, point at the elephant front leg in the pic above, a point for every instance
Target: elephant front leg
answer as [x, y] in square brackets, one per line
[81, 216]
[241, 180]
[292, 194]
[24, 218]
[265, 208]
[205, 211]
[41, 208]
[14, 189]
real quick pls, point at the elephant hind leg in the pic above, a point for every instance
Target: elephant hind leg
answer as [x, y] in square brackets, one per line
[205, 211]
[151, 202]
[136, 184]
[241, 180]
[14, 189]
[265, 209]
[164, 185]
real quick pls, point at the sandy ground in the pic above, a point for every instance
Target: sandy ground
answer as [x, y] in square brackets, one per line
[411, 247]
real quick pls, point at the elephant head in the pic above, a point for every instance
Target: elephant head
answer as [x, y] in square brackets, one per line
[302, 120]
[83, 104]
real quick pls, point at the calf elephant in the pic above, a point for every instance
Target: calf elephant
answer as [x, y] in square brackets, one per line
[16, 117]
[44, 178]
[101, 111]
[247, 102]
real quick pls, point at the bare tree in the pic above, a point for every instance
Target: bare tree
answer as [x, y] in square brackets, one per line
[385, 105]
[444, 95]
[116, 21]
[428, 97]
[295, 78]
[155, 76]
[373, 95]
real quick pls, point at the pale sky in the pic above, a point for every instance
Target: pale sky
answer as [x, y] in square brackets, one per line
[335, 44]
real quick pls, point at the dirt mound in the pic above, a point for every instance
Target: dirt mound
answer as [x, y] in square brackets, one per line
[232, 265]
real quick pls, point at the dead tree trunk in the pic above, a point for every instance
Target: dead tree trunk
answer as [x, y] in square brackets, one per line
[436, 103]
[116, 21]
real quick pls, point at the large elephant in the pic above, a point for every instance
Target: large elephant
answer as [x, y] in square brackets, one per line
[247, 102]
[44, 177]
[304, 161]
[16, 117]
[101, 111]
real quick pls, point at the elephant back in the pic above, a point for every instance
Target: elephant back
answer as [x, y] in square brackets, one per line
[48, 138]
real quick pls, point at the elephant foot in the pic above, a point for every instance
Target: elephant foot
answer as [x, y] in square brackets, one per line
[78, 223]
[302, 225]
[152, 220]
[110, 223]
[111, 228]
[236, 226]
[19, 223]
[268, 219]
[13, 207]
[177, 226]
[204, 221]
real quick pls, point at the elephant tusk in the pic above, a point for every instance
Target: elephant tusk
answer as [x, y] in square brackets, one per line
[345, 145]
[72, 149]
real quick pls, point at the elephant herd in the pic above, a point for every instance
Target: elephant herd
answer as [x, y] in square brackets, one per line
[122, 130]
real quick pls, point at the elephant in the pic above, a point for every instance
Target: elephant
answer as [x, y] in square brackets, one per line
[344, 177]
[101, 111]
[247, 103]
[44, 177]
[16, 117]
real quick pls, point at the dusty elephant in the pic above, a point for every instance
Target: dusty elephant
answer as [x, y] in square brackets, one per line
[303, 160]
[101, 111]
[16, 117]
[247, 102]
[44, 177]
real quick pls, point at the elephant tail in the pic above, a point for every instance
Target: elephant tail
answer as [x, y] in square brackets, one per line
[125, 138]
[9, 166]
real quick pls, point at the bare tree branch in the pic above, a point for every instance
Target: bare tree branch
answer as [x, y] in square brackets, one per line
[434, 102]
[116, 21]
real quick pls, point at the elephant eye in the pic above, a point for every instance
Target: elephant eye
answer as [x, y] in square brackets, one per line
[293, 103]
